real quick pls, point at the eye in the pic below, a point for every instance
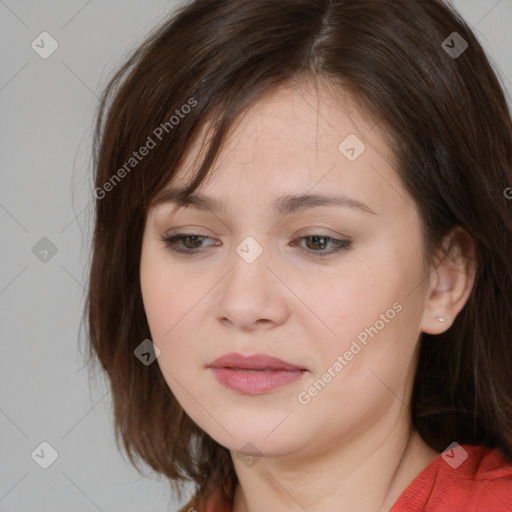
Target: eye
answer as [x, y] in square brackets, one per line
[317, 244]
[192, 243]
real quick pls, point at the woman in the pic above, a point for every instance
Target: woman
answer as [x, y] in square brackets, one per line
[302, 266]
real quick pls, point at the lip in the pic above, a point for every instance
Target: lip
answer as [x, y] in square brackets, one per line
[255, 374]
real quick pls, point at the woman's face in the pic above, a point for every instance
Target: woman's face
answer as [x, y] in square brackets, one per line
[267, 276]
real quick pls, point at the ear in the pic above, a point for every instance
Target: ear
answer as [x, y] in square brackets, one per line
[451, 281]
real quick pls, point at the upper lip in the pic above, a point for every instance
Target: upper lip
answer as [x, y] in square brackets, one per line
[253, 362]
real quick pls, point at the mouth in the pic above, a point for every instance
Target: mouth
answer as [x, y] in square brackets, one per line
[256, 374]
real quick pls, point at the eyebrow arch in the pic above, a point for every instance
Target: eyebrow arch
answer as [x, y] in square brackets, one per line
[283, 205]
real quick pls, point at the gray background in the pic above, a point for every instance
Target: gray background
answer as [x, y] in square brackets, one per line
[47, 108]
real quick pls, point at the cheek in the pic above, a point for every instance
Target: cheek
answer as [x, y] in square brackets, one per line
[167, 294]
[170, 298]
[354, 300]
[158, 300]
[368, 313]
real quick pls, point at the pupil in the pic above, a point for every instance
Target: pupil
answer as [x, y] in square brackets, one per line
[316, 239]
[191, 237]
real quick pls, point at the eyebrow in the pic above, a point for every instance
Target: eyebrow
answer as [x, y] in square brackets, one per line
[283, 205]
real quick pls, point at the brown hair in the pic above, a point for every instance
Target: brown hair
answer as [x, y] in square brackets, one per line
[450, 127]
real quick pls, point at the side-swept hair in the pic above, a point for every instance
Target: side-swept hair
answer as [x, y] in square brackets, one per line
[447, 121]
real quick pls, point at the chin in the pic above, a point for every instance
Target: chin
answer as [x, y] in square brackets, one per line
[256, 439]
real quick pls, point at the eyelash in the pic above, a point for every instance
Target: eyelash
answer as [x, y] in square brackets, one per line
[340, 245]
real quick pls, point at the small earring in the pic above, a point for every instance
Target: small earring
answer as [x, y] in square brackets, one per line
[440, 319]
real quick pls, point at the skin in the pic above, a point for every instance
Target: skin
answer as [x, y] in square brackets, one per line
[351, 448]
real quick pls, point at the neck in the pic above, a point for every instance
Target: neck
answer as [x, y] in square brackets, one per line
[362, 476]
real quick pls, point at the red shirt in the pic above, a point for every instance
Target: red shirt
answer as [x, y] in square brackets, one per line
[464, 479]
[482, 483]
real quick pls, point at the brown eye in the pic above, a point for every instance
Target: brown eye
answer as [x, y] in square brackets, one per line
[316, 244]
[186, 243]
[192, 240]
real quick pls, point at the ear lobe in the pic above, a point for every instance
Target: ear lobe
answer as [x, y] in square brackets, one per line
[452, 280]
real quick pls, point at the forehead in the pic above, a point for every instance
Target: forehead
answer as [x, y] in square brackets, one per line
[293, 140]
[296, 118]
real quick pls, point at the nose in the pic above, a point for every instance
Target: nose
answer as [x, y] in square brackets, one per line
[252, 294]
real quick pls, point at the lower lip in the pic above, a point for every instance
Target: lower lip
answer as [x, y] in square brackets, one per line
[255, 382]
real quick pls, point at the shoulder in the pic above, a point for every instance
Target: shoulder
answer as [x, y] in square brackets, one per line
[465, 478]
[486, 480]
